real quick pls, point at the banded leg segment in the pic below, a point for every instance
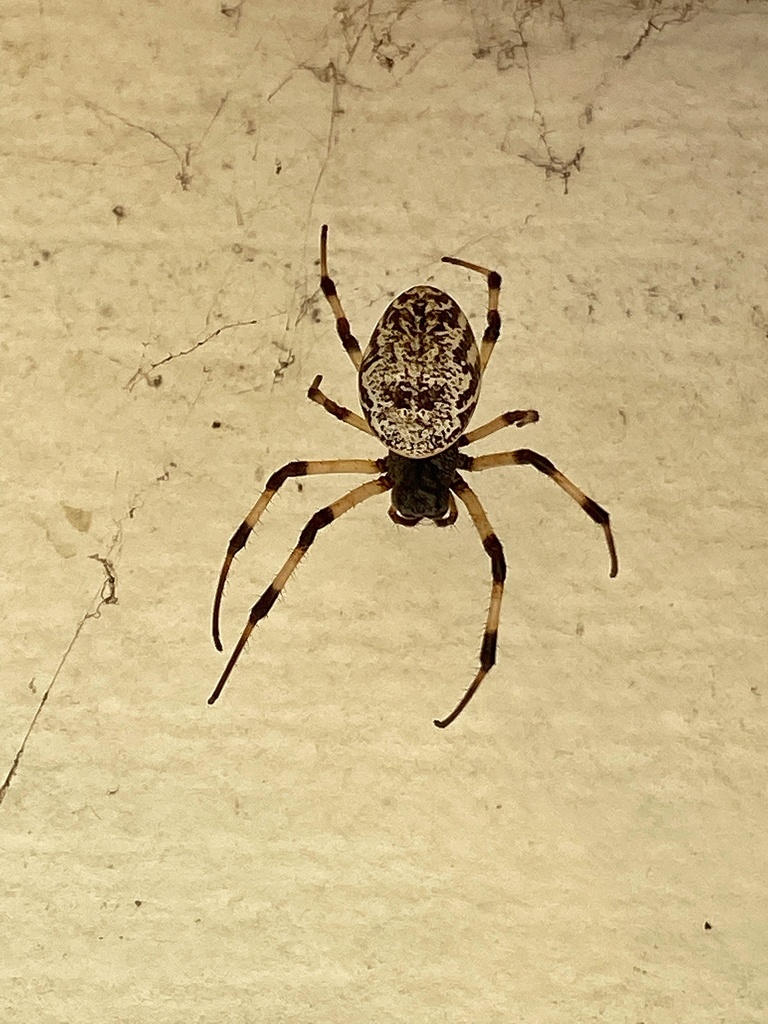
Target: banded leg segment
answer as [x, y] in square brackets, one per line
[526, 457]
[324, 517]
[495, 552]
[275, 482]
[339, 411]
[493, 317]
[520, 418]
[348, 340]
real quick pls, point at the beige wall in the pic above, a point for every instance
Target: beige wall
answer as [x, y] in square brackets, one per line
[312, 848]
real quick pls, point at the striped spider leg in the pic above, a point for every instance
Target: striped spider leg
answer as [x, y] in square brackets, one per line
[322, 518]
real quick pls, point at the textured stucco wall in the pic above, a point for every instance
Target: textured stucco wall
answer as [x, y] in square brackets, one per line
[312, 848]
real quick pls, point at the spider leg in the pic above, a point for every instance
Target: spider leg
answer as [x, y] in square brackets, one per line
[275, 482]
[493, 547]
[339, 411]
[526, 457]
[493, 328]
[348, 340]
[323, 517]
[520, 417]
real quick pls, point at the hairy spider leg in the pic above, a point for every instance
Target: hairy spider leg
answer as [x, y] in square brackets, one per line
[322, 518]
[348, 340]
[495, 552]
[520, 417]
[339, 411]
[493, 317]
[526, 457]
[275, 482]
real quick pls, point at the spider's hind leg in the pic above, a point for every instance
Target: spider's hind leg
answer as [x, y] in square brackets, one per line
[495, 552]
[275, 482]
[324, 517]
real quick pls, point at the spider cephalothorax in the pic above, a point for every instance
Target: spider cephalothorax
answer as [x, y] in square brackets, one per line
[419, 382]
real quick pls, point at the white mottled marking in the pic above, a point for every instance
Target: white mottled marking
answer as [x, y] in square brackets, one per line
[420, 375]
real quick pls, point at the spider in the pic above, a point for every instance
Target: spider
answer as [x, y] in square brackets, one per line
[419, 382]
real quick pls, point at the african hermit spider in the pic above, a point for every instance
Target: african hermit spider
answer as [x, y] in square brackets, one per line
[419, 382]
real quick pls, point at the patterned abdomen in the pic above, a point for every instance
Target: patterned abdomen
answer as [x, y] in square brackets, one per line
[420, 375]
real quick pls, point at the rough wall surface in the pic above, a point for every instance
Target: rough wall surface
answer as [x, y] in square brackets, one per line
[587, 841]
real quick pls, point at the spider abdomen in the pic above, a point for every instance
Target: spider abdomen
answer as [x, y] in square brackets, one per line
[420, 374]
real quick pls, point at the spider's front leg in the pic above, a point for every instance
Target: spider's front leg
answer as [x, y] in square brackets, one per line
[275, 482]
[348, 340]
[493, 317]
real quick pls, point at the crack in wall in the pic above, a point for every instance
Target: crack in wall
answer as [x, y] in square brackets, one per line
[658, 20]
[512, 32]
[553, 164]
[144, 372]
[232, 10]
[106, 595]
[183, 155]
